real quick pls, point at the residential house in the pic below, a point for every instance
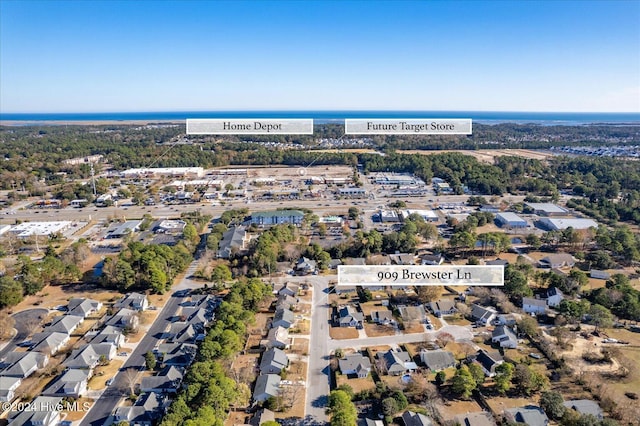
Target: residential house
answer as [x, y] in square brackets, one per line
[534, 306]
[267, 386]
[415, 419]
[483, 314]
[496, 262]
[600, 275]
[334, 263]
[88, 356]
[437, 360]
[482, 418]
[147, 409]
[306, 266]
[262, 416]
[22, 364]
[110, 334]
[177, 354]
[506, 319]
[585, 407]
[8, 386]
[412, 313]
[489, 361]
[64, 324]
[288, 289]
[402, 259]
[431, 259]
[273, 361]
[125, 319]
[355, 261]
[83, 307]
[345, 289]
[167, 381]
[181, 332]
[49, 343]
[234, 241]
[382, 316]
[278, 337]
[348, 316]
[286, 302]
[372, 422]
[504, 336]
[73, 383]
[134, 301]
[443, 307]
[529, 415]
[355, 364]
[43, 412]
[554, 297]
[557, 260]
[196, 316]
[283, 318]
[397, 363]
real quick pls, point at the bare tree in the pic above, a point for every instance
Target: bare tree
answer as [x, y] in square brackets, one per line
[463, 309]
[130, 380]
[31, 324]
[290, 396]
[443, 339]
[6, 326]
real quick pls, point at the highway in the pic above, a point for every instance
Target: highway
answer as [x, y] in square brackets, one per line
[319, 206]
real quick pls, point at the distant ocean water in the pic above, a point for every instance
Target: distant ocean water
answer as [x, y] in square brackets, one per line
[484, 117]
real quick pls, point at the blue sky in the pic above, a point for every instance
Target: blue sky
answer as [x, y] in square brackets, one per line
[93, 56]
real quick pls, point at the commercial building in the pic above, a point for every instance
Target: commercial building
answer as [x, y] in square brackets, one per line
[30, 229]
[547, 209]
[427, 215]
[191, 172]
[561, 224]
[510, 220]
[389, 216]
[277, 217]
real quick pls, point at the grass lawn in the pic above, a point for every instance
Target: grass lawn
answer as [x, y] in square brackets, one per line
[356, 384]
[450, 409]
[413, 327]
[81, 410]
[500, 403]
[376, 330]
[103, 373]
[297, 371]
[393, 382]
[343, 333]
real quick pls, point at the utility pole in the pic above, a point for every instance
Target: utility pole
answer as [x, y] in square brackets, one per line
[93, 180]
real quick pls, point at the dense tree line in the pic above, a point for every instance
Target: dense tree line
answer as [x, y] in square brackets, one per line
[146, 267]
[208, 392]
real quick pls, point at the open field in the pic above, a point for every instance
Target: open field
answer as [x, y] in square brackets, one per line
[500, 403]
[488, 155]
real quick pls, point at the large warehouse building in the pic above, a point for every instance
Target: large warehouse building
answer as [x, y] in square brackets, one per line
[510, 220]
[560, 224]
[547, 209]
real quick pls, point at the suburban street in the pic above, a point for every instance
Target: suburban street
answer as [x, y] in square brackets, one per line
[103, 408]
[318, 369]
[24, 321]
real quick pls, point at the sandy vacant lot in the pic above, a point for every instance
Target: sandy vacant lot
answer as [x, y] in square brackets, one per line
[489, 155]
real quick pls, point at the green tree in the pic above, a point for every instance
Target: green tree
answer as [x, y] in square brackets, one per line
[150, 360]
[502, 379]
[343, 412]
[600, 317]
[441, 377]
[190, 234]
[528, 380]
[463, 383]
[389, 406]
[10, 292]
[221, 274]
[476, 373]
[552, 404]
